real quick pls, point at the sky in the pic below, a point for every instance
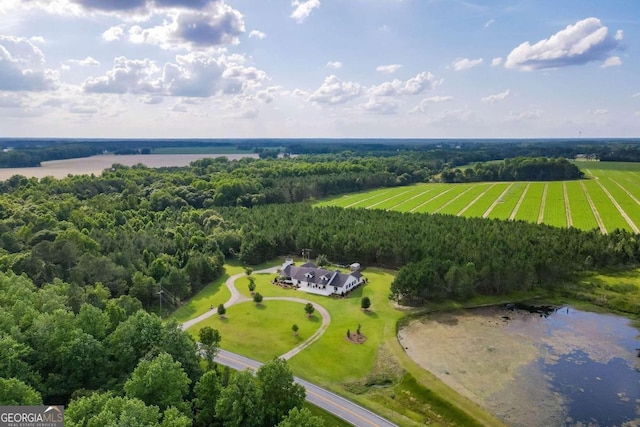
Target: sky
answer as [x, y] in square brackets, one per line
[320, 68]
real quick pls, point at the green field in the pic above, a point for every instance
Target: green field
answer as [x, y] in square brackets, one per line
[609, 198]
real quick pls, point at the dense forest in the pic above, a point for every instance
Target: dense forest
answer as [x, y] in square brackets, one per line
[517, 169]
[115, 364]
[439, 256]
[140, 230]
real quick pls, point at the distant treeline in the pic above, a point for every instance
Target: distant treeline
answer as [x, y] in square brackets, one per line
[518, 169]
[31, 152]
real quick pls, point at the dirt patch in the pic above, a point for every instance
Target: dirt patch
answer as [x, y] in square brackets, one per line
[356, 338]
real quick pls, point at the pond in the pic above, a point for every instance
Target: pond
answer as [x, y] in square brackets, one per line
[559, 367]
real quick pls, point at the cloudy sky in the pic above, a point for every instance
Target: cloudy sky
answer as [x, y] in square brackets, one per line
[320, 68]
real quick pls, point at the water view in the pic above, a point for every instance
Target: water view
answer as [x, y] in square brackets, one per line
[557, 367]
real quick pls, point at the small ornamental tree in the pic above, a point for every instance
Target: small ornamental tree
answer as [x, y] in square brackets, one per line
[221, 311]
[248, 271]
[309, 309]
[257, 298]
[365, 303]
[252, 284]
[295, 329]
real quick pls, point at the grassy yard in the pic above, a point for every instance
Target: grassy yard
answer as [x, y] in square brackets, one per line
[246, 328]
[211, 295]
[376, 374]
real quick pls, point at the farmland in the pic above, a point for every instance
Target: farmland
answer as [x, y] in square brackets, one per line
[608, 199]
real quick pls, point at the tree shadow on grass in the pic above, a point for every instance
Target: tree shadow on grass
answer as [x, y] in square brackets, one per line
[223, 319]
[371, 314]
[261, 306]
[313, 318]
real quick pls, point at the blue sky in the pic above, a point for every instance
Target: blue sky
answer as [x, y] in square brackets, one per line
[320, 68]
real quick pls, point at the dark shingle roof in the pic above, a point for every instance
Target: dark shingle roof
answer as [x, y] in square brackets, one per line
[311, 273]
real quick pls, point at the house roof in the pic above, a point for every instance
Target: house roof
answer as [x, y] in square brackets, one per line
[311, 273]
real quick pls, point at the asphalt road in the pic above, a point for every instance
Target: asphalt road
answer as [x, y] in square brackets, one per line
[330, 402]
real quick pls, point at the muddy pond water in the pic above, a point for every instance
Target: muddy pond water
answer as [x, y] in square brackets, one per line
[559, 367]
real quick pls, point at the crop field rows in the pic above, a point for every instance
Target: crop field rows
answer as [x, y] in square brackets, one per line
[607, 200]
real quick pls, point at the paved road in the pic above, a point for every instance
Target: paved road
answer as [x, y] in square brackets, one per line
[330, 402]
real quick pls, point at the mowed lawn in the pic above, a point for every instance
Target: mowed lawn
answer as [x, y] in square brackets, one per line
[378, 325]
[246, 328]
[608, 199]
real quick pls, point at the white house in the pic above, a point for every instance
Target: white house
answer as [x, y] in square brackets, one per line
[310, 278]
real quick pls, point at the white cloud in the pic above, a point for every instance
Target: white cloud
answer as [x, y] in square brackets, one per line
[636, 95]
[334, 91]
[268, 95]
[422, 107]
[465, 63]
[302, 9]
[496, 61]
[489, 23]
[151, 100]
[585, 41]
[22, 66]
[12, 100]
[599, 112]
[197, 75]
[438, 99]
[334, 65]
[380, 106]
[413, 86]
[113, 34]
[127, 76]
[497, 97]
[619, 35]
[7, 5]
[257, 34]
[612, 61]
[127, 8]
[86, 62]
[247, 113]
[84, 109]
[525, 115]
[388, 69]
[180, 107]
[218, 25]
